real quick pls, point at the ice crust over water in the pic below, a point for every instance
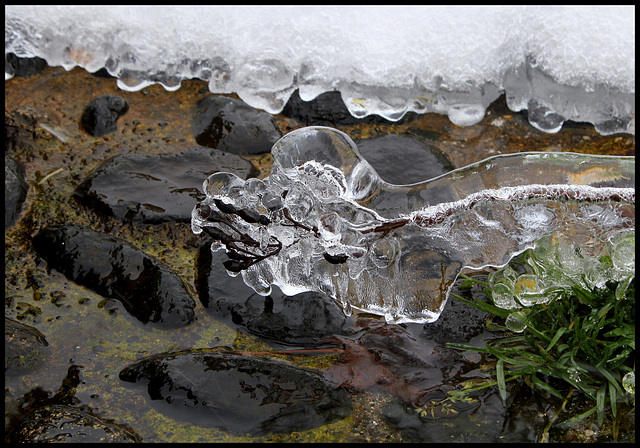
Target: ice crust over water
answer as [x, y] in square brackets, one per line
[557, 63]
[325, 221]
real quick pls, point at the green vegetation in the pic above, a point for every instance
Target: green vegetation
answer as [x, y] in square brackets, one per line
[572, 333]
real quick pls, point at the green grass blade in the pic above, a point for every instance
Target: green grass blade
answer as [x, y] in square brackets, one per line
[544, 386]
[474, 280]
[612, 399]
[611, 379]
[500, 376]
[600, 399]
[577, 418]
[467, 347]
[556, 337]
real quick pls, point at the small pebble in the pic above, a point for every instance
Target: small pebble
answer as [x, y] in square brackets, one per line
[100, 115]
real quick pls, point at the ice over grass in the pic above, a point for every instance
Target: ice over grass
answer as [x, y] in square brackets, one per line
[557, 63]
[325, 221]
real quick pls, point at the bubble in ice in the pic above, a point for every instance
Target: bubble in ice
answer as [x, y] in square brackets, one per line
[557, 63]
[325, 221]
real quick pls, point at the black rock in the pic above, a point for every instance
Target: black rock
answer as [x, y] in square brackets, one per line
[299, 320]
[103, 73]
[458, 322]
[25, 348]
[155, 189]
[100, 115]
[113, 268]
[233, 126]
[214, 283]
[15, 190]
[238, 393]
[56, 423]
[328, 109]
[403, 160]
[24, 67]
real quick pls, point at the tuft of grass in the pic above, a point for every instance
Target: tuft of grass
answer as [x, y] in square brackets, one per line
[584, 338]
[578, 332]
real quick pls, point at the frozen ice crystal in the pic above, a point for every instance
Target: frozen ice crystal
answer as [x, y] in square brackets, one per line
[325, 221]
[561, 262]
[558, 63]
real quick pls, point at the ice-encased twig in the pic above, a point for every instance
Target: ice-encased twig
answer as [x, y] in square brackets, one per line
[325, 221]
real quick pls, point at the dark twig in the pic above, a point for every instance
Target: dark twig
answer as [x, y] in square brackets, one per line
[287, 214]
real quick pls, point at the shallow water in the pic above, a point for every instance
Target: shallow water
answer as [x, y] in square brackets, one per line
[83, 329]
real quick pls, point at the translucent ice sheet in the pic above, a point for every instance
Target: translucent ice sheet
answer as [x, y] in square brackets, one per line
[325, 221]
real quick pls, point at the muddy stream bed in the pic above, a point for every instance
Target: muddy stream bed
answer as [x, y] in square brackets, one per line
[89, 366]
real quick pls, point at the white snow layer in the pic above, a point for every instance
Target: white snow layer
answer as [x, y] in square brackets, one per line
[558, 63]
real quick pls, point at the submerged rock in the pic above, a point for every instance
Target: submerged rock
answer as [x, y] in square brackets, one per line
[238, 393]
[113, 268]
[233, 126]
[100, 115]
[15, 190]
[25, 348]
[300, 320]
[457, 323]
[402, 160]
[214, 283]
[481, 421]
[56, 423]
[155, 189]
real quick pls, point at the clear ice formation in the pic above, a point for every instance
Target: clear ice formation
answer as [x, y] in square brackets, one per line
[556, 266]
[557, 63]
[325, 221]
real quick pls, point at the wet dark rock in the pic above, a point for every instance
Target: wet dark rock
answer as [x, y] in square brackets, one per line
[238, 393]
[25, 348]
[56, 423]
[103, 73]
[100, 115]
[328, 109]
[233, 126]
[214, 283]
[24, 67]
[113, 268]
[400, 160]
[300, 320]
[155, 189]
[15, 190]
[458, 322]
